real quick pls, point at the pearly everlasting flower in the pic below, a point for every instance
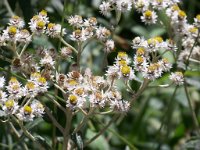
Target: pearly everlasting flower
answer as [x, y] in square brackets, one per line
[31, 89]
[90, 22]
[10, 34]
[3, 96]
[152, 71]
[141, 5]
[120, 105]
[197, 21]
[165, 65]
[10, 107]
[38, 27]
[113, 72]
[78, 35]
[17, 22]
[140, 63]
[102, 33]
[24, 36]
[66, 52]
[47, 60]
[177, 78]
[26, 113]
[38, 108]
[109, 46]
[124, 5]
[159, 4]
[97, 99]
[2, 82]
[126, 72]
[76, 20]
[14, 88]
[54, 30]
[105, 7]
[87, 32]
[149, 17]
[75, 101]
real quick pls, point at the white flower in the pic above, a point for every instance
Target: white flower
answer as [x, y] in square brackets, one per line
[159, 4]
[79, 35]
[54, 30]
[47, 60]
[75, 101]
[38, 108]
[124, 5]
[105, 7]
[16, 21]
[120, 105]
[177, 78]
[97, 99]
[24, 36]
[126, 72]
[102, 33]
[76, 21]
[3, 96]
[2, 82]
[109, 46]
[149, 17]
[26, 114]
[10, 107]
[141, 5]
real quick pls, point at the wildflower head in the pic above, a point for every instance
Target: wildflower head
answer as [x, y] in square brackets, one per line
[140, 51]
[27, 110]
[125, 70]
[73, 99]
[12, 30]
[9, 103]
[148, 14]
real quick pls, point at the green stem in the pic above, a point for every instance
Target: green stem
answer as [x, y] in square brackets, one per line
[194, 117]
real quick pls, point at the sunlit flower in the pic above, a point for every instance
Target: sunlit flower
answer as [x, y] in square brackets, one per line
[17, 22]
[26, 113]
[149, 17]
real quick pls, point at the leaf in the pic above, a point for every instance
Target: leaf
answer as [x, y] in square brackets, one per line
[157, 32]
[141, 31]
[99, 144]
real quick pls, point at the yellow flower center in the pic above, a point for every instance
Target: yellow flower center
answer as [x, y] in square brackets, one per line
[40, 24]
[27, 109]
[122, 54]
[15, 17]
[12, 30]
[165, 60]
[9, 103]
[198, 17]
[13, 80]
[148, 14]
[140, 59]
[181, 14]
[43, 13]
[72, 82]
[193, 30]
[15, 87]
[152, 67]
[42, 80]
[92, 20]
[30, 85]
[140, 51]
[36, 17]
[159, 39]
[125, 70]
[151, 42]
[79, 91]
[122, 63]
[51, 25]
[175, 8]
[35, 75]
[73, 99]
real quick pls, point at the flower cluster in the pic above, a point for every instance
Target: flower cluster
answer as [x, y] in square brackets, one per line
[21, 100]
[148, 8]
[91, 91]
[87, 28]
